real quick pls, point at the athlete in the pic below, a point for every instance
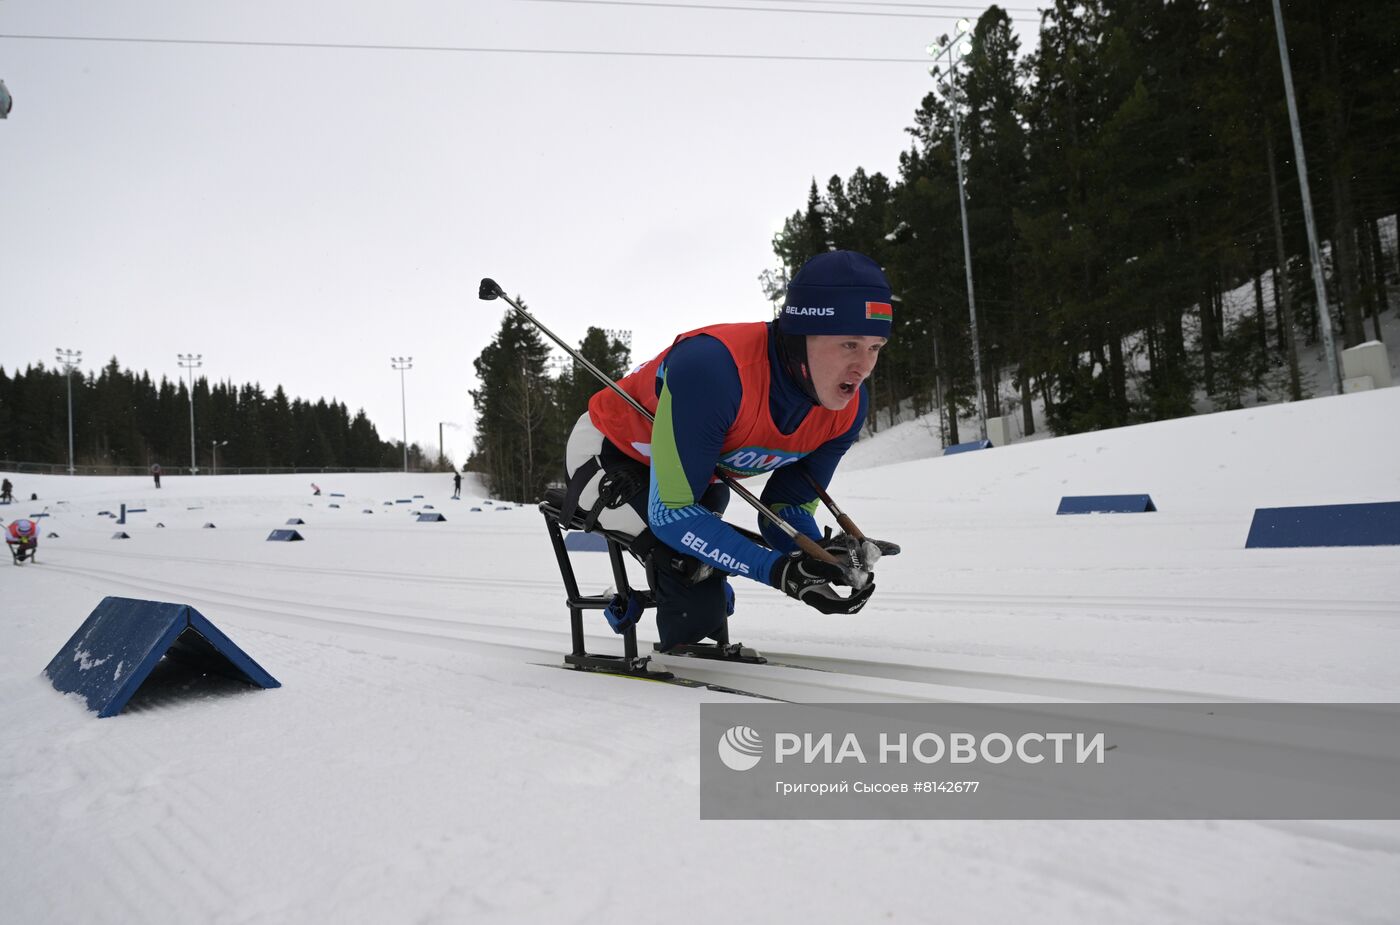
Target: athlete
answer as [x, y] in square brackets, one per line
[785, 398]
[22, 538]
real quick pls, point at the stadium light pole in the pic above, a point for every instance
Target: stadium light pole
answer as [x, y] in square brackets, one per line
[955, 51]
[191, 361]
[401, 364]
[1314, 251]
[69, 359]
[214, 455]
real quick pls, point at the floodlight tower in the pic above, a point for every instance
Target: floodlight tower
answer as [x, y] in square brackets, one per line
[69, 360]
[1314, 251]
[191, 361]
[955, 51]
[401, 364]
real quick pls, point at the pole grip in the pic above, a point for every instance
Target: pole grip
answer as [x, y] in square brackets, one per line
[810, 547]
[850, 527]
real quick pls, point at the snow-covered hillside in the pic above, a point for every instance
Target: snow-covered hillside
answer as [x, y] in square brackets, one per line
[425, 761]
[922, 439]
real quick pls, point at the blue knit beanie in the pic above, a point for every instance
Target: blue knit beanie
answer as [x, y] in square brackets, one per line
[839, 292]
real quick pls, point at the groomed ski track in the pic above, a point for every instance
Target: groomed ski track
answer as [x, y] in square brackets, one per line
[792, 676]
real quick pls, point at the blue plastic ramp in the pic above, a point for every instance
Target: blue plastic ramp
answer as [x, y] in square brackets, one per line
[433, 518]
[1106, 504]
[122, 640]
[1374, 524]
[967, 447]
[585, 542]
[284, 536]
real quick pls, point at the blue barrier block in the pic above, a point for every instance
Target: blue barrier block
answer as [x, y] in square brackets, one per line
[332, 505]
[208, 527]
[476, 510]
[427, 507]
[1373, 524]
[433, 518]
[337, 494]
[1106, 504]
[136, 510]
[403, 501]
[120, 535]
[417, 496]
[967, 447]
[284, 536]
[585, 542]
[296, 522]
[104, 513]
[367, 511]
[122, 640]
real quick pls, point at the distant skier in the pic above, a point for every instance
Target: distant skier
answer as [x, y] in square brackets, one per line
[784, 397]
[456, 486]
[22, 539]
[155, 473]
[7, 492]
[315, 489]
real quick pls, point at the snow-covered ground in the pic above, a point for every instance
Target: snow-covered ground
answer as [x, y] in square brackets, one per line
[422, 761]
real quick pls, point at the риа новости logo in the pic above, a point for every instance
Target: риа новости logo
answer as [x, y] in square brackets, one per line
[740, 748]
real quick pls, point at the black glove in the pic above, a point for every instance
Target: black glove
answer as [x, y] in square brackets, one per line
[810, 581]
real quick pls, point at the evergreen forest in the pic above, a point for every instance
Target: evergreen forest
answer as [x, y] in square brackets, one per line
[1120, 180]
[124, 420]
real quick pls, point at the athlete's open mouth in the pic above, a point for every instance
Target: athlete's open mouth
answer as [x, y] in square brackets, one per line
[848, 388]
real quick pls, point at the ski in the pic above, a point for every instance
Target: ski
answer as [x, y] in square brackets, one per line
[671, 678]
[733, 653]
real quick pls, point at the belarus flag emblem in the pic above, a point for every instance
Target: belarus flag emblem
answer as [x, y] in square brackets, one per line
[879, 311]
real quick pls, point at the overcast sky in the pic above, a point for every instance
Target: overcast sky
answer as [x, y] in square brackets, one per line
[298, 215]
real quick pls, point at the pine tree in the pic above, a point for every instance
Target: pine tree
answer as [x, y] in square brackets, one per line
[515, 405]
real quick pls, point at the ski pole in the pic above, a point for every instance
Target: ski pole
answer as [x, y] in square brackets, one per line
[490, 290]
[846, 523]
